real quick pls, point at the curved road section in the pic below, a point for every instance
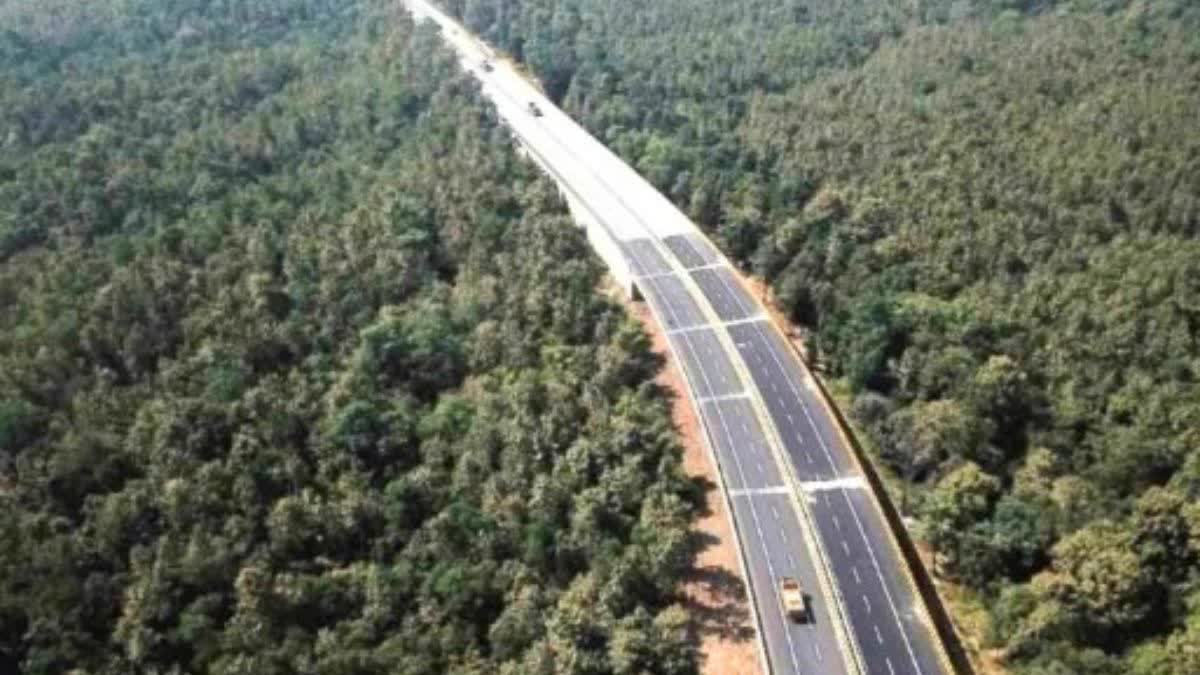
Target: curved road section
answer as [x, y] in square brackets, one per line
[798, 499]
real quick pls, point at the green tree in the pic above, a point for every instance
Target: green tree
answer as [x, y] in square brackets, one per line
[1163, 523]
[925, 435]
[1100, 582]
[963, 498]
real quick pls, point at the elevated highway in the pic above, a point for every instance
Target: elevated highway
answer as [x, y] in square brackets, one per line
[799, 500]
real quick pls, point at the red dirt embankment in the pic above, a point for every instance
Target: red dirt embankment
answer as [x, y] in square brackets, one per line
[715, 592]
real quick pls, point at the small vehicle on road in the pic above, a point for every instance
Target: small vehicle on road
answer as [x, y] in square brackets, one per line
[793, 599]
[487, 66]
[534, 109]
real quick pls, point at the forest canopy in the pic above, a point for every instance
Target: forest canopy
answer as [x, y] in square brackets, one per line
[302, 369]
[984, 213]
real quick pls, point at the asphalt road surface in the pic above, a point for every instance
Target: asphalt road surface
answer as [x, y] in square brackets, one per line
[748, 388]
[881, 606]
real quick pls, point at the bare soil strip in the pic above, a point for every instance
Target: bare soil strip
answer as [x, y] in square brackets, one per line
[715, 592]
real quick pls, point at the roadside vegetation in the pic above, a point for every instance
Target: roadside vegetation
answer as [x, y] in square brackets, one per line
[985, 215]
[303, 370]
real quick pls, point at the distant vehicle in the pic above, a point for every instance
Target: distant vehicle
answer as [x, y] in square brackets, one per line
[534, 109]
[487, 66]
[793, 599]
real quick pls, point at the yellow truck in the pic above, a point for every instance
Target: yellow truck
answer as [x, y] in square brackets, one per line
[793, 599]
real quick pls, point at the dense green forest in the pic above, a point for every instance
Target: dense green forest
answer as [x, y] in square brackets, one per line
[985, 214]
[302, 370]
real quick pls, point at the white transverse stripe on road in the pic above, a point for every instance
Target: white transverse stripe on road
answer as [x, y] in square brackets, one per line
[720, 324]
[727, 397]
[672, 273]
[656, 275]
[852, 483]
[758, 492]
